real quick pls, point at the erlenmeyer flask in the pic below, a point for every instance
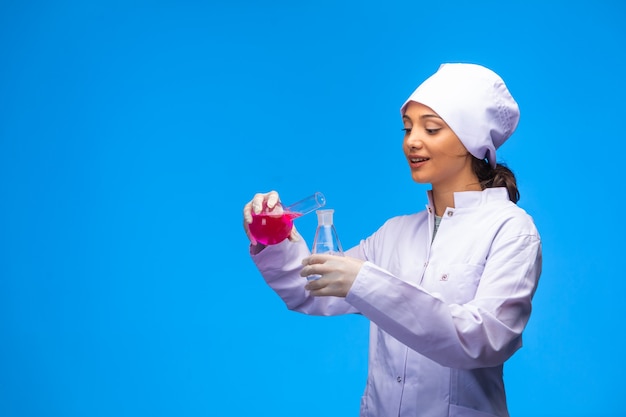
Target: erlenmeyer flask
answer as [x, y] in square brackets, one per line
[326, 239]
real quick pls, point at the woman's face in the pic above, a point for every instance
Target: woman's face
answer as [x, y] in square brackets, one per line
[434, 152]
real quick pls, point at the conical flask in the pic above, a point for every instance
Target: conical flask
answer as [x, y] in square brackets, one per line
[326, 239]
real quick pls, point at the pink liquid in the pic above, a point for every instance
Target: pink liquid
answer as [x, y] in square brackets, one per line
[270, 229]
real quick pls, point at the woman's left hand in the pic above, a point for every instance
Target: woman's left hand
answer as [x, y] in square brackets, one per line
[337, 274]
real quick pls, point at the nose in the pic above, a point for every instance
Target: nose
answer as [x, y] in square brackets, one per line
[412, 140]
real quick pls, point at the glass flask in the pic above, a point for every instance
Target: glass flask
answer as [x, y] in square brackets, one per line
[270, 227]
[326, 239]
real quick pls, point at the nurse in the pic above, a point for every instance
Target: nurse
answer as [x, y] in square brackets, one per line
[448, 289]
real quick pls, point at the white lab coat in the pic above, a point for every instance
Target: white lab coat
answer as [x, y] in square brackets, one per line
[444, 316]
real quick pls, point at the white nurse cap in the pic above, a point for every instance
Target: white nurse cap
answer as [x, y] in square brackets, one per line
[474, 102]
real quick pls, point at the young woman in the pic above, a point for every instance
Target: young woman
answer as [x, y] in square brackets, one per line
[447, 290]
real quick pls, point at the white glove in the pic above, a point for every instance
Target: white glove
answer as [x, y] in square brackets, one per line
[271, 202]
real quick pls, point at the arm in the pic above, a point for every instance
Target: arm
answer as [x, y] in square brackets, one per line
[483, 332]
[280, 266]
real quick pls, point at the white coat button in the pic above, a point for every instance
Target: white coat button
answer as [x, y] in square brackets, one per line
[399, 379]
[450, 213]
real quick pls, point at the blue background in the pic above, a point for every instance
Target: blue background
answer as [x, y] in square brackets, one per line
[133, 132]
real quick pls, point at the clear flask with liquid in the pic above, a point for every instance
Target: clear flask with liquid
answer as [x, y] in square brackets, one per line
[326, 238]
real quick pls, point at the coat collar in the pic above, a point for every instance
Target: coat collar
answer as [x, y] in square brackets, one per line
[468, 199]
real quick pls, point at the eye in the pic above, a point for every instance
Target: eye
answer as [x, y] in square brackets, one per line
[406, 130]
[432, 131]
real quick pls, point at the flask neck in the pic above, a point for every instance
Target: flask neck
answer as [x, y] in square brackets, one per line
[308, 204]
[325, 217]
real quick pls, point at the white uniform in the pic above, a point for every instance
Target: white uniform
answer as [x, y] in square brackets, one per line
[444, 316]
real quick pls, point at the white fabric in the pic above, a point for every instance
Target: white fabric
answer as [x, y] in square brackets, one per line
[444, 317]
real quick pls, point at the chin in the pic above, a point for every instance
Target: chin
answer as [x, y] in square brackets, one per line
[419, 179]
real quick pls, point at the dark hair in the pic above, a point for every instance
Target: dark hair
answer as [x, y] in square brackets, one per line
[500, 176]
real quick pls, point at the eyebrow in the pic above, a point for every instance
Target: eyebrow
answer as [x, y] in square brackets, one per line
[423, 116]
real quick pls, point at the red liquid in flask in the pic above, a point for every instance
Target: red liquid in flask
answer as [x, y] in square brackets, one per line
[270, 229]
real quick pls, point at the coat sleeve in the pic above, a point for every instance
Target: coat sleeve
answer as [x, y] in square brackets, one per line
[483, 332]
[280, 266]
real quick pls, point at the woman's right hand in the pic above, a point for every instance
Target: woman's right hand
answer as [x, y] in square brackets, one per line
[260, 201]
[264, 201]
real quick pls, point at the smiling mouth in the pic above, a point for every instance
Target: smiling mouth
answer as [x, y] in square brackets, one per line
[417, 160]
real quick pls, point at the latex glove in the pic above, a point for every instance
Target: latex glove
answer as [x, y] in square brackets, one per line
[270, 201]
[337, 274]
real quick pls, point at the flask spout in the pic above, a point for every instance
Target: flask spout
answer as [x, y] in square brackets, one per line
[325, 217]
[308, 204]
